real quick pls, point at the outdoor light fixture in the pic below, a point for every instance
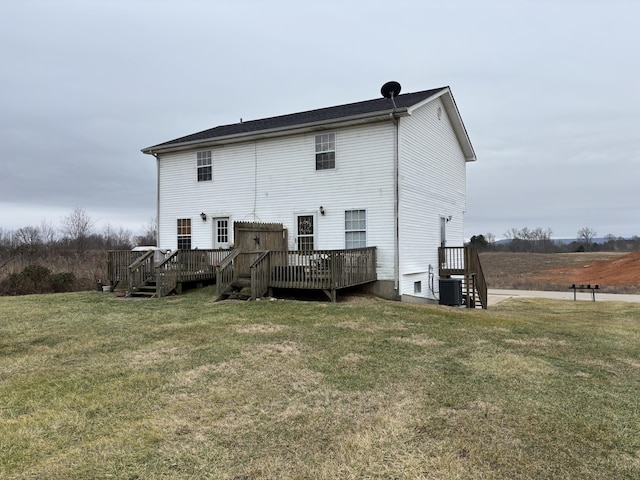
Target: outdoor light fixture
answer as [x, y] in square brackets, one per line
[203, 216]
[321, 210]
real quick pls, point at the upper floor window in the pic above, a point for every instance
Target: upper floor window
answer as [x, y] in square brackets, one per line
[355, 228]
[205, 169]
[184, 234]
[325, 151]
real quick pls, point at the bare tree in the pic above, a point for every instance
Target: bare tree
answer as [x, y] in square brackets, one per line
[490, 237]
[149, 234]
[47, 232]
[586, 235]
[27, 236]
[77, 227]
[119, 239]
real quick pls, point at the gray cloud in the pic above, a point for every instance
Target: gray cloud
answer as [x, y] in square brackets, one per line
[547, 90]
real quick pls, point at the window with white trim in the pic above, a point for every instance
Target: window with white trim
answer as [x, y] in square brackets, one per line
[205, 168]
[184, 234]
[355, 228]
[326, 151]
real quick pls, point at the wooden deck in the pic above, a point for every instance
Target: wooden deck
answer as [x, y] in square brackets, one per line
[465, 262]
[151, 273]
[143, 273]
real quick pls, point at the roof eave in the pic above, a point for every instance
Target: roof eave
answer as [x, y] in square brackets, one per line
[374, 117]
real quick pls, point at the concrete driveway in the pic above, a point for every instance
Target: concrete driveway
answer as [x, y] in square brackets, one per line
[496, 296]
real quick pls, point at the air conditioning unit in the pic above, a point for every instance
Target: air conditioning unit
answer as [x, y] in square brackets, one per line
[451, 291]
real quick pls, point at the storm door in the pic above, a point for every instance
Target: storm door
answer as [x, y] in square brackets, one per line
[305, 232]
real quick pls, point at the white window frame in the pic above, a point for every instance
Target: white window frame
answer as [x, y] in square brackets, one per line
[353, 226]
[184, 226]
[204, 166]
[325, 151]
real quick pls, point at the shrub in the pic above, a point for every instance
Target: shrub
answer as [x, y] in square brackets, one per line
[63, 282]
[33, 279]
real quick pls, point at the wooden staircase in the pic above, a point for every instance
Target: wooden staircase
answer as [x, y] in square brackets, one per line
[470, 292]
[239, 289]
[149, 289]
[465, 262]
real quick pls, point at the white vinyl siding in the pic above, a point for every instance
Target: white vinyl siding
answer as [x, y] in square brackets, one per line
[287, 183]
[277, 179]
[432, 184]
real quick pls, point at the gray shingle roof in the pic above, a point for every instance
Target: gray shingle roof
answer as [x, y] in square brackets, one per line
[303, 118]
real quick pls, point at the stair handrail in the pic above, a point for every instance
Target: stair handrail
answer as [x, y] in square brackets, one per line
[260, 270]
[475, 267]
[225, 274]
[167, 274]
[140, 270]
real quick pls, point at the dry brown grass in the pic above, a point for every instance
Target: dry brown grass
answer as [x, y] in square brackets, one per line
[96, 387]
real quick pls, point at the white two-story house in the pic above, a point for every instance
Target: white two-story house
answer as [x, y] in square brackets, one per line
[388, 173]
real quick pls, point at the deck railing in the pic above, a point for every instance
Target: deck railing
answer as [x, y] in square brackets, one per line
[323, 269]
[225, 273]
[118, 262]
[187, 266]
[167, 274]
[479, 281]
[141, 270]
[260, 275]
[328, 270]
[135, 268]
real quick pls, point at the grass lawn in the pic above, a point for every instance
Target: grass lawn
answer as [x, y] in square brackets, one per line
[97, 387]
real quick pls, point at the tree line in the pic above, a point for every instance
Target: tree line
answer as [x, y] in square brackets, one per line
[76, 233]
[538, 240]
[69, 257]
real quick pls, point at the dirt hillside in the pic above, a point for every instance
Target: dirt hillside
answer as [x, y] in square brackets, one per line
[615, 272]
[622, 270]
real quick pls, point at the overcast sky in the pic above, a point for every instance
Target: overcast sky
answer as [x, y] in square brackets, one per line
[549, 91]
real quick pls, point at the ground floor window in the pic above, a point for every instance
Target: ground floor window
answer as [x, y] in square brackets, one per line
[184, 234]
[355, 228]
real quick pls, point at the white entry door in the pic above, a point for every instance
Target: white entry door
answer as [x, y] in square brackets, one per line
[221, 232]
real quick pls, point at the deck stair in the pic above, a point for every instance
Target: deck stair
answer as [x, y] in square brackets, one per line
[148, 289]
[240, 289]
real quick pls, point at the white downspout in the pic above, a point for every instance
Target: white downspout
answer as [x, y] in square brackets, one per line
[157, 198]
[396, 204]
